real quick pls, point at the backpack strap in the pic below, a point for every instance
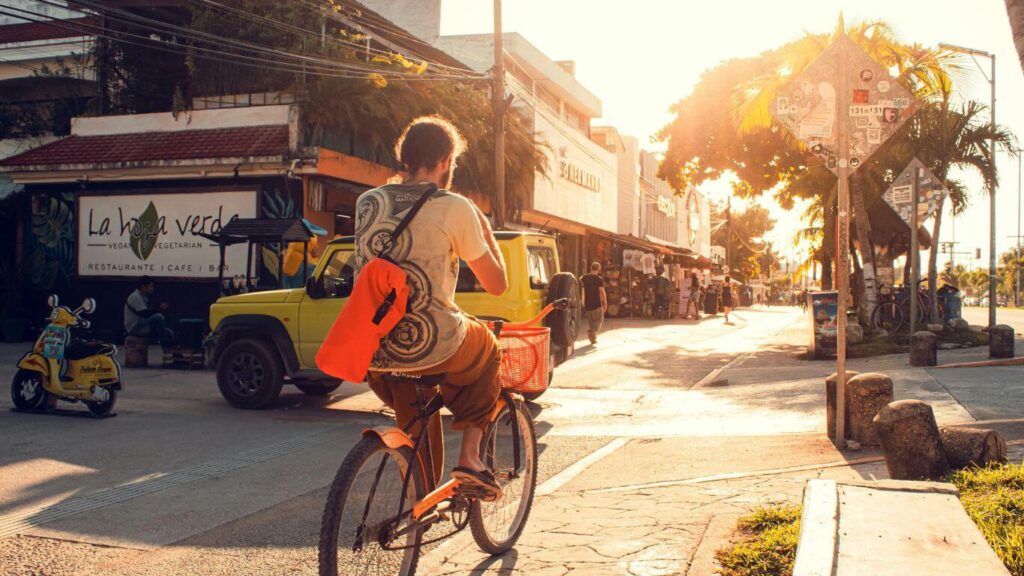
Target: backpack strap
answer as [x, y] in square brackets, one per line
[406, 220]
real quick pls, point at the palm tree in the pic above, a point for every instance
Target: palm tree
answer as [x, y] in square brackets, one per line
[944, 135]
[1015, 11]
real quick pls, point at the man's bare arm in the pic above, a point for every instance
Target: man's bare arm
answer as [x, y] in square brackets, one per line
[490, 268]
[604, 299]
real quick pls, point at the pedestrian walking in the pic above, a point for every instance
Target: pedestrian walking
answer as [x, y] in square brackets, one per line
[595, 301]
[727, 298]
[694, 296]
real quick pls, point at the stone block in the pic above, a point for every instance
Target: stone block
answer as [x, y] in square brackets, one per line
[972, 446]
[854, 334]
[866, 395]
[136, 352]
[1000, 342]
[936, 328]
[830, 403]
[911, 442]
[923, 349]
[959, 325]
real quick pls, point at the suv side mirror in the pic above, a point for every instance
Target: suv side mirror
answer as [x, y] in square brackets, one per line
[313, 287]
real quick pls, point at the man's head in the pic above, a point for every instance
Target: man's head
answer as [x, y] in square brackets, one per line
[595, 267]
[727, 279]
[428, 148]
[146, 285]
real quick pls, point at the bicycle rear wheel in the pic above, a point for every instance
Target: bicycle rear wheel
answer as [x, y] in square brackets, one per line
[357, 533]
[888, 316]
[496, 526]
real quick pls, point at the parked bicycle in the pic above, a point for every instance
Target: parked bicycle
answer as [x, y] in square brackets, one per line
[384, 500]
[893, 309]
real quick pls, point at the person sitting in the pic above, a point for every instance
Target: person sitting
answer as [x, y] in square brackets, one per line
[141, 319]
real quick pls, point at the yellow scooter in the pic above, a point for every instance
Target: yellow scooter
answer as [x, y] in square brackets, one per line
[61, 367]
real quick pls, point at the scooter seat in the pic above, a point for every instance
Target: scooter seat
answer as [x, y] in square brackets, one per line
[79, 350]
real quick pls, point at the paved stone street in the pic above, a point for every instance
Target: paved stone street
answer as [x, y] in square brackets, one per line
[651, 444]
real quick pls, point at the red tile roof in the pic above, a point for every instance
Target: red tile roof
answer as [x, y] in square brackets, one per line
[120, 149]
[31, 31]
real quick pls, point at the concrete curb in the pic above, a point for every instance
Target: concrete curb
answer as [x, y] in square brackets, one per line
[819, 530]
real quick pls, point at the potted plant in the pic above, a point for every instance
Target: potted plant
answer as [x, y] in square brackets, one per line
[13, 318]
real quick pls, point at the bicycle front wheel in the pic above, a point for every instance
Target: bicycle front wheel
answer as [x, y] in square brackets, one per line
[362, 532]
[497, 525]
[888, 316]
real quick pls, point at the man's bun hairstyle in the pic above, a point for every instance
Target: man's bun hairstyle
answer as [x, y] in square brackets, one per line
[426, 141]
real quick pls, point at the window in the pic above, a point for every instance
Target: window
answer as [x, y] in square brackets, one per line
[541, 265]
[338, 276]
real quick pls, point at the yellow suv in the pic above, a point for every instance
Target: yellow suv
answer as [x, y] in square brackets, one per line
[263, 340]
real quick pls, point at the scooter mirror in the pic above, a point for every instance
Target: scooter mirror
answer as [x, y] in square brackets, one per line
[53, 301]
[88, 305]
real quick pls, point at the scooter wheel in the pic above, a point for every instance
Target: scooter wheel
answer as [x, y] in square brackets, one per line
[27, 390]
[103, 408]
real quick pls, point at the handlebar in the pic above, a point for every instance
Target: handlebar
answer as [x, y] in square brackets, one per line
[560, 304]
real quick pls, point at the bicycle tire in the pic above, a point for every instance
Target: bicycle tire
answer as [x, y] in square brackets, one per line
[492, 534]
[888, 316]
[363, 458]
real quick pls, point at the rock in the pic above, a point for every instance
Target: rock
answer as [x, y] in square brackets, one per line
[830, 403]
[881, 332]
[959, 325]
[854, 334]
[866, 395]
[853, 445]
[936, 328]
[947, 345]
[136, 352]
[972, 446]
[923, 351]
[977, 328]
[1000, 342]
[911, 442]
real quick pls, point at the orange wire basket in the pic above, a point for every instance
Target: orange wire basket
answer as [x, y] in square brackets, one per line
[525, 355]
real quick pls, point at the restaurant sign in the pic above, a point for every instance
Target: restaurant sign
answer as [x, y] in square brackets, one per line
[156, 234]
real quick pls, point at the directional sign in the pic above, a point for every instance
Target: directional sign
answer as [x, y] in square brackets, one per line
[876, 105]
[930, 190]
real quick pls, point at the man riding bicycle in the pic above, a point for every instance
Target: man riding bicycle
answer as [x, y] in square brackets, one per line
[435, 336]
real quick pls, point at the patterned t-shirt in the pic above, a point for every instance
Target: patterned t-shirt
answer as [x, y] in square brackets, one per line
[445, 230]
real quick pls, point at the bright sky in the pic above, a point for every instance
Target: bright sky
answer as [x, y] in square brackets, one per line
[640, 57]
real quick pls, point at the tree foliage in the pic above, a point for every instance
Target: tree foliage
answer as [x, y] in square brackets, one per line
[748, 246]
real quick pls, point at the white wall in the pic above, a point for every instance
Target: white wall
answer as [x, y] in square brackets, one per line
[557, 196]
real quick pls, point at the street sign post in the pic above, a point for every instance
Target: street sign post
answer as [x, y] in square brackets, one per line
[843, 106]
[915, 183]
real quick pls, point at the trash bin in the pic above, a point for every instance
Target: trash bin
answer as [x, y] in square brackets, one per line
[951, 301]
[711, 300]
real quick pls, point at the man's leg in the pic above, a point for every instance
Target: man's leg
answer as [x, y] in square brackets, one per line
[158, 326]
[402, 400]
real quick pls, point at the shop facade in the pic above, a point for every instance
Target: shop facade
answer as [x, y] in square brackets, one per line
[127, 196]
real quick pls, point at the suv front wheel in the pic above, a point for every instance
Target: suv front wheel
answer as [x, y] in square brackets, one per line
[250, 373]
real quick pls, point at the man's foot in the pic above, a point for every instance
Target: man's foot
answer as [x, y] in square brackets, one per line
[482, 481]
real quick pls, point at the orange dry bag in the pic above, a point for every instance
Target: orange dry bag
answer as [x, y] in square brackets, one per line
[378, 302]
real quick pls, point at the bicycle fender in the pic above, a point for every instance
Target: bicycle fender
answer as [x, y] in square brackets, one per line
[391, 436]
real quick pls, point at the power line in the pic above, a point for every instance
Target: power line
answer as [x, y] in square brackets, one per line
[240, 59]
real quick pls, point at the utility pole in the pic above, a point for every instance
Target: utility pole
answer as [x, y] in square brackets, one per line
[498, 100]
[915, 256]
[728, 234]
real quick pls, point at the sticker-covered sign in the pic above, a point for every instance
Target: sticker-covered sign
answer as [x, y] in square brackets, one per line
[929, 190]
[875, 105]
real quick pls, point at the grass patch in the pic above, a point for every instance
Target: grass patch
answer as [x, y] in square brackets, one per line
[768, 537]
[994, 498]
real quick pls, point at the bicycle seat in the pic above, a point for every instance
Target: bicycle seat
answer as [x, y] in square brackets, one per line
[426, 381]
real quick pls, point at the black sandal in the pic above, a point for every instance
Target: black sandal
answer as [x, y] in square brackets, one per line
[482, 481]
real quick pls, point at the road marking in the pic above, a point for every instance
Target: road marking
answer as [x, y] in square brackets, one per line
[562, 478]
[737, 475]
[18, 522]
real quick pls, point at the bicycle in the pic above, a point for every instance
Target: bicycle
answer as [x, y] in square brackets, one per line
[888, 314]
[384, 500]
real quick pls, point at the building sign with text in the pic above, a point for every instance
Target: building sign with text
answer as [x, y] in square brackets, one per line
[156, 234]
